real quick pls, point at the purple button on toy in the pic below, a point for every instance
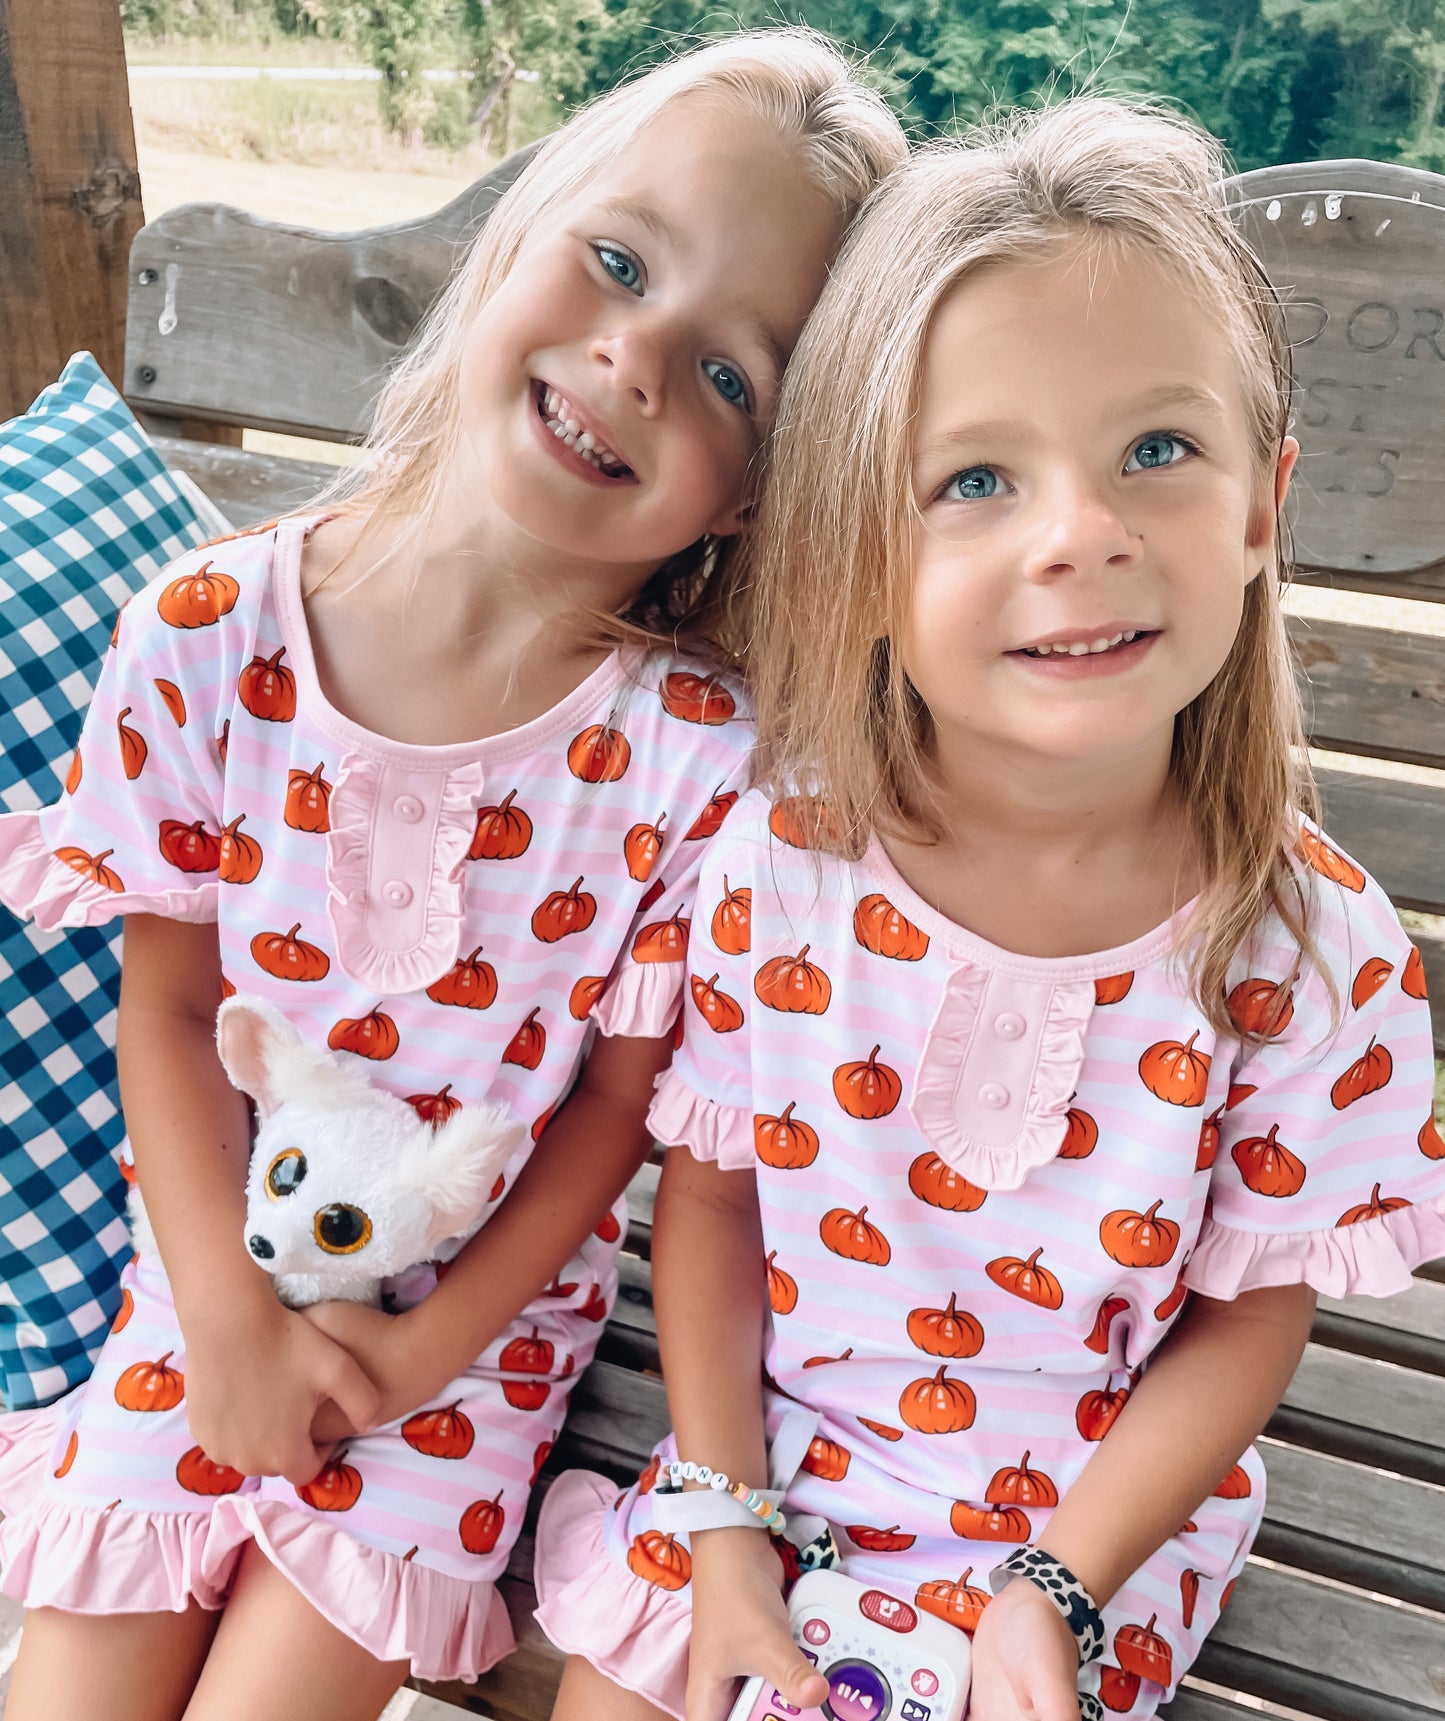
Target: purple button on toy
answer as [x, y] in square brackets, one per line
[857, 1691]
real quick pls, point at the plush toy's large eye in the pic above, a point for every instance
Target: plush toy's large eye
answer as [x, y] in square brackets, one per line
[285, 1171]
[341, 1229]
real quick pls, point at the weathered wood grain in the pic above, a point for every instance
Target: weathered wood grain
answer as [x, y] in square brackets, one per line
[1194, 1705]
[1371, 690]
[1420, 1310]
[1371, 1395]
[250, 322]
[1389, 1515]
[1359, 264]
[1394, 830]
[246, 487]
[1298, 1689]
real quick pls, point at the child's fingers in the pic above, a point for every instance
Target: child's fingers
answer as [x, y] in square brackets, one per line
[796, 1681]
[348, 1384]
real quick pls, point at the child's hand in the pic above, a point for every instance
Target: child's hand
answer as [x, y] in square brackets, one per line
[1025, 1660]
[389, 1351]
[740, 1626]
[254, 1382]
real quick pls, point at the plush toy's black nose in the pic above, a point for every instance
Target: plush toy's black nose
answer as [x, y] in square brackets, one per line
[260, 1248]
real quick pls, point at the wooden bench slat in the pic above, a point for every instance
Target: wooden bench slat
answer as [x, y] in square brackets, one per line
[1368, 1394]
[1393, 829]
[247, 487]
[1391, 1515]
[1194, 1705]
[1420, 1310]
[1371, 690]
[1298, 1689]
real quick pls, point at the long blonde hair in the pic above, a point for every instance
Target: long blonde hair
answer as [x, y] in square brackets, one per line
[832, 549]
[793, 81]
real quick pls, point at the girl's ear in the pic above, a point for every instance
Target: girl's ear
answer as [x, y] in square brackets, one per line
[1288, 460]
[1264, 519]
[734, 520]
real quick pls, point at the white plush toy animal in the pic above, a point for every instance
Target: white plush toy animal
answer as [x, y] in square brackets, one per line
[347, 1186]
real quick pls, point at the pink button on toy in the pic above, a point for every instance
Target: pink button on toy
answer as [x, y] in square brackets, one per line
[816, 1631]
[924, 1682]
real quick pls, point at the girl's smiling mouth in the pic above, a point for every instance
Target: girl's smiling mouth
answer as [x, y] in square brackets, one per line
[575, 438]
[1106, 650]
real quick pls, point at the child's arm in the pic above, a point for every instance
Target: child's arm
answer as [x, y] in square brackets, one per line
[255, 1371]
[585, 1159]
[1209, 1389]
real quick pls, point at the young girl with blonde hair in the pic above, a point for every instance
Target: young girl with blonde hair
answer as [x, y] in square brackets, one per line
[1042, 1059]
[432, 771]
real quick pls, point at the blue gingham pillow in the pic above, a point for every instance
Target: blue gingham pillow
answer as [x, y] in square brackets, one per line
[88, 514]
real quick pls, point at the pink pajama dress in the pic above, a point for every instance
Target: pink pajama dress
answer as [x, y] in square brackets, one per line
[987, 1182]
[459, 917]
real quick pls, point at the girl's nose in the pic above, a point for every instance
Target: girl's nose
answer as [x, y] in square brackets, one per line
[634, 360]
[1082, 529]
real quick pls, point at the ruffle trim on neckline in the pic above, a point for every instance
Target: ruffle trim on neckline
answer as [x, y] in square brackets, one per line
[641, 999]
[1372, 1258]
[589, 1604]
[941, 1110]
[36, 885]
[678, 1117]
[354, 808]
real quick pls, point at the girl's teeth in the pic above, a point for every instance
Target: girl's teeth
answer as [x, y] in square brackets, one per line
[1082, 647]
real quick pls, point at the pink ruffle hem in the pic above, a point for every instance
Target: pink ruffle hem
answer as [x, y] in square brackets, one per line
[35, 885]
[641, 1000]
[589, 1605]
[678, 1117]
[1372, 1258]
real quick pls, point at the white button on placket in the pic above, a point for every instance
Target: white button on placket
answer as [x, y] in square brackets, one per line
[1010, 1025]
[407, 808]
[994, 1095]
[396, 893]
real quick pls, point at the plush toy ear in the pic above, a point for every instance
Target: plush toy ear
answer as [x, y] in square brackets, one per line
[460, 1164]
[262, 1053]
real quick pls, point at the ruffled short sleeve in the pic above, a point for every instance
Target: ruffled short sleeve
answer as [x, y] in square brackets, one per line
[1329, 1170]
[138, 826]
[705, 1101]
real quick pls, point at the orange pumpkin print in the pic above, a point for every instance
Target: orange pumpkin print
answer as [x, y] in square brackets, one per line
[710, 820]
[480, 1526]
[732, 921]
[268, 689]
[1096, 1411]
[1238, 1093]
[782, 1288]
[784, 1142]
[503, 832]
[950, 1332]
[595, 1309]
[938, 1405]
[1208, 1149]
[174, 699]
[1139, 1239]
[989, 1523]
[72, 1446]
[958, 1604]
[696, 698]
[223, 742]
[133, 748]
[528, 1354]
[884, 1430]
[641, 847]
[1412, 976]
[599, 754]
[1235, 1486]
[1374, 1208]
[1117, 1689]
[794, 985]
[1370, 1072]
[1140, 1649]
[722, 1012]
[92, 867]
[1109, 1311]
[1081, 1135]
[1260, 1009]
[827, 1460]
[1175, 1073]
[127, 1301]
[198, 1474]
[1113, 988]
[563, 912]
[371, 1036]
[851, 1236]
[239, 858]
[526, 1394]
[435, 1109]
[1374, 972]
[1267, 1165]
[1027, 1279]
[150, 1386]
[1189, 1593]
[539, 1458]
[873, 1541]
[935, 1181]
[1017, 1485]
[197, 600]
[1174, 1301]
[663, 940]
[287, 957]
[1430, 1141]
[1330, 863]
[868, 1089]
[880, 927]
[469, 984]
[607, 1228]
[584, 995]
[661, 1560]
[308, 800]
[74, 774]
[528, 1045]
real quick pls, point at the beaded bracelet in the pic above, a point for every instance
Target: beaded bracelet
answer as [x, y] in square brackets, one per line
[767, 1514]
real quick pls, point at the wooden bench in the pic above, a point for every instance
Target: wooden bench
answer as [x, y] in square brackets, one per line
[236, 322]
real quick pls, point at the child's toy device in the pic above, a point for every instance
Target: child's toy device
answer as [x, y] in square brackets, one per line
[347, 1184]
[883, 1659]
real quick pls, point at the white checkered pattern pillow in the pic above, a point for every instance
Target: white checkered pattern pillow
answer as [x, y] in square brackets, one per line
[88, 514]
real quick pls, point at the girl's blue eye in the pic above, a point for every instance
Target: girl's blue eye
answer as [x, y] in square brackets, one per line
[727, 382]
[1157, 450]
[621, 265]
[976, 484]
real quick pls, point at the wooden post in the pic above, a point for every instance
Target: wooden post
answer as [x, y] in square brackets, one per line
[70, 200]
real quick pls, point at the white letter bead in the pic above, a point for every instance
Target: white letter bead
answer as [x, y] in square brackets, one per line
[719, 1482]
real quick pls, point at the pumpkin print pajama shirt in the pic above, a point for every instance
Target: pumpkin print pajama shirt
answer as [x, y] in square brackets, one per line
[987, 1183]
[459, 917]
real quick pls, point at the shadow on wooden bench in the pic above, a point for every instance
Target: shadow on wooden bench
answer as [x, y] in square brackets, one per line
[1340, 1616]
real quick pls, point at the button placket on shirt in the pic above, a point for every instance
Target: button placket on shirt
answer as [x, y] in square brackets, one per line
[403, 854]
